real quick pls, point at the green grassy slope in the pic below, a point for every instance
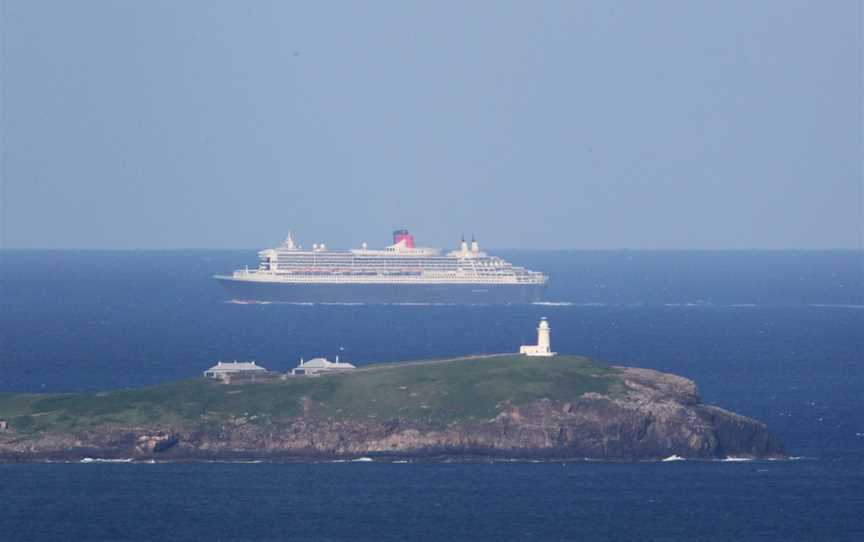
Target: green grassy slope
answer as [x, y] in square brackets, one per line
[432, 392]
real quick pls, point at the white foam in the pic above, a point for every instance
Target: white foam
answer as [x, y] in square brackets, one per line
[733, 459]
[100, 460]
[362, 460]
[553, 303]
[234, 461]
[674, 457]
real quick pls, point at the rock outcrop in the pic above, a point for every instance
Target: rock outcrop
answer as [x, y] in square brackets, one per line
[156, 443]
[656, 416]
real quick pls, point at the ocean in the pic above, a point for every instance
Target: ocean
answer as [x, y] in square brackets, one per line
[776, 335]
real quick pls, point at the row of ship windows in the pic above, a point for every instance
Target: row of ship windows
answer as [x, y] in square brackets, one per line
[400, 261]
[329, 269]
[415, 260]
[396, 274]
[390, 262]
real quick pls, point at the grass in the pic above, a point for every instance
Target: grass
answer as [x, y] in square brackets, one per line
[436, 393]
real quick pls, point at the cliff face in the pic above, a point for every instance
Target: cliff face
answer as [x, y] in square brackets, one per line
[655, 415]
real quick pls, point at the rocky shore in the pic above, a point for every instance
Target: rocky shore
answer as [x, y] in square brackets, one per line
[616, 414]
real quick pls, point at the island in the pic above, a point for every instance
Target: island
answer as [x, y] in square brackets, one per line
[473, 408]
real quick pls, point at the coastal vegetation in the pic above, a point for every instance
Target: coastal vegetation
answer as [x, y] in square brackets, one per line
[433, 392]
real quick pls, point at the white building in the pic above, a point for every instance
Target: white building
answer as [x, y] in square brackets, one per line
[321, 365]
[544, 346]
[226, 371]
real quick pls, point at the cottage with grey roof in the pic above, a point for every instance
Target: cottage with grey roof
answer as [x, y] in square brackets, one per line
[316, 366]
[228, 372]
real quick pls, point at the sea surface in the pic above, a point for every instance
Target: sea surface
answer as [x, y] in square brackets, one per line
[778, 336]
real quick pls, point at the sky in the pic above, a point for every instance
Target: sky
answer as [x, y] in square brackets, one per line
[550, 125]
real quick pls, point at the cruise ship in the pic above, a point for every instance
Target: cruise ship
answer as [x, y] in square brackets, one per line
[399, 273]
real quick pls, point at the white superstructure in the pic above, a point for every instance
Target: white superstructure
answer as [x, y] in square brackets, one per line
[543, 348]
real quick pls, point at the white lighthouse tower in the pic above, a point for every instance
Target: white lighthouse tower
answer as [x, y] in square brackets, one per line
[543, 347]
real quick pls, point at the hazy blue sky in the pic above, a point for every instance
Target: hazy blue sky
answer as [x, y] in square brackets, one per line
[552, 125]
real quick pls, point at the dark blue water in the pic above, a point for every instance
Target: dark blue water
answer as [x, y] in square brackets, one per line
[774, 335]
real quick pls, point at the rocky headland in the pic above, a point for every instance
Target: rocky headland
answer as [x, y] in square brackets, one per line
[561, 408]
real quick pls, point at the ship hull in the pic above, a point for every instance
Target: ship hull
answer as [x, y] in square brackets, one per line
[462, 294]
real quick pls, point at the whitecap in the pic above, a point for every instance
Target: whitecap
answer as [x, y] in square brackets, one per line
[553, 303]
[362, 460]
[733, 459]
[674, 457]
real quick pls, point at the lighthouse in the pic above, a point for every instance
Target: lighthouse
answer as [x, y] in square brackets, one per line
[543, 348]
